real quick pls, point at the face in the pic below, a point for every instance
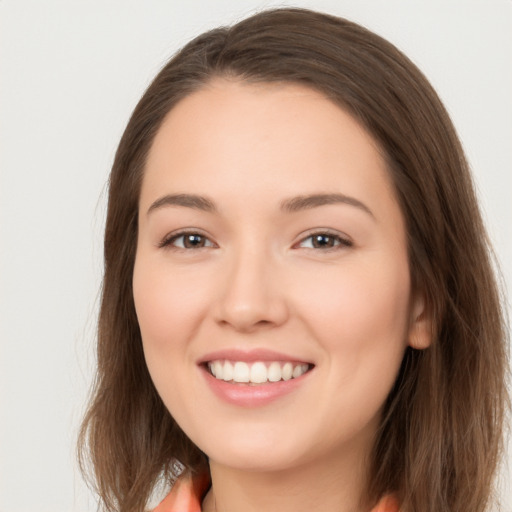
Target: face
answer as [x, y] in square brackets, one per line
[271, 280]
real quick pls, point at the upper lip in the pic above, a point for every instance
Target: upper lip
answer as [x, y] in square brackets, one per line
[250, 356]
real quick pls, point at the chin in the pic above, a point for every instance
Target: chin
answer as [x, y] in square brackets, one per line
[258, 451]
[256, 461]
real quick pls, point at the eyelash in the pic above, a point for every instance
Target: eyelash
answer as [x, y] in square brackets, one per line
[167, 242]
[340, 241]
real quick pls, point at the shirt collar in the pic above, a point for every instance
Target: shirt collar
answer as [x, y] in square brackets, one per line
[188, 492]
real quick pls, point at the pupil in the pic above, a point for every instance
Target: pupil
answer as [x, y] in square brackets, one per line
[323, 241]
[193, 241]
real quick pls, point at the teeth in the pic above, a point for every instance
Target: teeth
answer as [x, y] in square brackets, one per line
[274, 372]
[217, 370]
[227, 371]
[241, 372]
[297, 371]
[257, 372]
[287, 371]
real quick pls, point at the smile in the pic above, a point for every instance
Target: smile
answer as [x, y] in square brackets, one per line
[257, 372]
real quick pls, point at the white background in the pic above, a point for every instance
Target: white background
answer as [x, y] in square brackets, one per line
[70, 73]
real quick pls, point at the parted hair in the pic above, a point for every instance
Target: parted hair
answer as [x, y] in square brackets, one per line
[440, 437]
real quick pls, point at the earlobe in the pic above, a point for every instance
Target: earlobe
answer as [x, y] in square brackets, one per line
[420, 329]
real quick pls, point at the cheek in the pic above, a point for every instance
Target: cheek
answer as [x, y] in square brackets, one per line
[360, 318]
[167, 305]
[360, 310]
[169, 308]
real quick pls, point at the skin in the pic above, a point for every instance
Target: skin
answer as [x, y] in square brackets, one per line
[257, 281]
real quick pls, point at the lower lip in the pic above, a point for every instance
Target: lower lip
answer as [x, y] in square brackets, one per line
[252, 395]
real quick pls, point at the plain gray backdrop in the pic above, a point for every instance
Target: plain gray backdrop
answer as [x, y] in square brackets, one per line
[70, 74]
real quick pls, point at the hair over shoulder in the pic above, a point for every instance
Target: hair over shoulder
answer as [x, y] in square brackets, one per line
[440, 438]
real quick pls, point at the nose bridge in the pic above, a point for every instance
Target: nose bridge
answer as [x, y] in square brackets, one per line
[251, 296]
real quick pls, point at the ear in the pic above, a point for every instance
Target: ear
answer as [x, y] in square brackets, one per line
[420, 325]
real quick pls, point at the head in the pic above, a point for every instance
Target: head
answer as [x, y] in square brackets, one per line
[449, 377]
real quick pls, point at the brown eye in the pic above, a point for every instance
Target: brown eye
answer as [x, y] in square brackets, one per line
[324, 241]
[187, 241]
[193, 240]
[321, 241]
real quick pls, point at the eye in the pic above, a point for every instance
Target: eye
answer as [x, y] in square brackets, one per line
[186, 240]
[324, 240]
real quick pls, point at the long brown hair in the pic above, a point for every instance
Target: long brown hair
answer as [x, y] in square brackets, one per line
[440, 438]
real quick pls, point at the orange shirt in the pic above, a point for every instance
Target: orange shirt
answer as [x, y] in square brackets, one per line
[187, 493]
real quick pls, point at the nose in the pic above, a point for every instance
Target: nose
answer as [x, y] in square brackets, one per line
[251, 297]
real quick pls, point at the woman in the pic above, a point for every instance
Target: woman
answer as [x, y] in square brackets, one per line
[299, 310]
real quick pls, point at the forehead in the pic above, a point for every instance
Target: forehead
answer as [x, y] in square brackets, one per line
[232, 137]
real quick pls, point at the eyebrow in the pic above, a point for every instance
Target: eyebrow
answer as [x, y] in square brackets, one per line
[187, 200]
[299, 203]
[291, 205]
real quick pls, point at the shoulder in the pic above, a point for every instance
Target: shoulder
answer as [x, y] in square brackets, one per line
[387, 504]
[186, 494]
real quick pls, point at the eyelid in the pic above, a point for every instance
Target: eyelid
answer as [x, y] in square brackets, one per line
[166, 242]
[344, 240]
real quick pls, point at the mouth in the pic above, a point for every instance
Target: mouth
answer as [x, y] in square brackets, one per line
[256, 372]
[254, 378]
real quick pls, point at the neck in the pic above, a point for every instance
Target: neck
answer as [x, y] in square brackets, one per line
[335, 484]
